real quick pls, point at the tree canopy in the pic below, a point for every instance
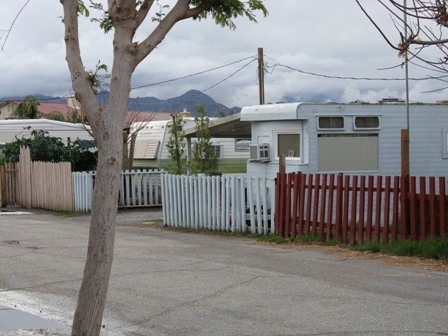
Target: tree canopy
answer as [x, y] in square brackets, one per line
[27, 109]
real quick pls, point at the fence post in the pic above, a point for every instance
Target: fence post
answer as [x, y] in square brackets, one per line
[386, 221]
[323, 208]
[279, 201]
[432, 206]
[288, 200]
[2, 185]
[442, 198]
[339, 205]
[329, 226]
[422, 199]
[404, 203]
[354, 193]
[412, 206]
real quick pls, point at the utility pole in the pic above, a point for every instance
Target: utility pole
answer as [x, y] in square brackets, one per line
[405, 170]
[261, 75]
[405, 165]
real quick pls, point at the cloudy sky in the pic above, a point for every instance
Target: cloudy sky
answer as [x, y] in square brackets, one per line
[305, 43]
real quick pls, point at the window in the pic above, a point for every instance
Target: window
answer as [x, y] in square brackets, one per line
[216, 151]
[331, 122]
[370, 122]
[288, 144]
[242, 145]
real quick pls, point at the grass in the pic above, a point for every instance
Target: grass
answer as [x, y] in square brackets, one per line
[304, 238]
[431, 248]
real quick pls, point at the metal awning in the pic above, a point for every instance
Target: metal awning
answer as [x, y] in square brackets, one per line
[227, 127]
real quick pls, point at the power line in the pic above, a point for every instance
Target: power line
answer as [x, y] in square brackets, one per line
[229, 76]
[192, 75]
[316, 74]
[8, 31]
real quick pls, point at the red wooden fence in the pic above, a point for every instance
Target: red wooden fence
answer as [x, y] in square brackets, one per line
[354, 209]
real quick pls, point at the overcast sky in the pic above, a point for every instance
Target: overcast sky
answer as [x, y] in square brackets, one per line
[327, 37]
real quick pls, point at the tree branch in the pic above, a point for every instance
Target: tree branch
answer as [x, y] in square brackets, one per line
[143, 12]
[391, 44]
[180, 11]
[80, 77]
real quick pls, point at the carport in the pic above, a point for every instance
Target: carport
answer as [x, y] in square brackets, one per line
[226, 127]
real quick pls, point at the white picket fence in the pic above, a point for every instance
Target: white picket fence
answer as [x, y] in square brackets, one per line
[235, 203]
[139, 188]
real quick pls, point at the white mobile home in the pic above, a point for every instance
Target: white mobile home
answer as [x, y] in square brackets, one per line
[350, 138]
[151, 141]
[12, 128]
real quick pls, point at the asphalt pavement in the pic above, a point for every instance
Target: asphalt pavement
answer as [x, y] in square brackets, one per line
[172, 283]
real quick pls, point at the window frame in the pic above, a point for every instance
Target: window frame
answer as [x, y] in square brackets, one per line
[288, 132]
[357, 128]
[330, 128]
[217, 148]
[236, 149]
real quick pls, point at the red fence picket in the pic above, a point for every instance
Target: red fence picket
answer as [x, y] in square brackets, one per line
[354, 209]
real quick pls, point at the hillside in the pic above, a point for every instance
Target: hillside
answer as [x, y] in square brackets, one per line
[188, 101]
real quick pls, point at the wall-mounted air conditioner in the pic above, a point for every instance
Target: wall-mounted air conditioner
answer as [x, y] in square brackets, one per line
[260, 152]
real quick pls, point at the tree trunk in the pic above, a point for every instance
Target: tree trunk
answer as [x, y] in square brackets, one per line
[92, 295]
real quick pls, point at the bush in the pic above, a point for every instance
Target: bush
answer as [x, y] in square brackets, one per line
[47, 148]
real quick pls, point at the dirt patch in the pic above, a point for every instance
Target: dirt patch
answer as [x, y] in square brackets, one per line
[345, 252]
[158, 224]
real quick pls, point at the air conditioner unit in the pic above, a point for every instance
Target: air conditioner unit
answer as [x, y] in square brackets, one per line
[260, 152]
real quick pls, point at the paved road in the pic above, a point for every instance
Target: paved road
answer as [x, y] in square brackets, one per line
[171, 283]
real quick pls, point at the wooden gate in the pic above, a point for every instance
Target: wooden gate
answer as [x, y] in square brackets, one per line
[46, 185]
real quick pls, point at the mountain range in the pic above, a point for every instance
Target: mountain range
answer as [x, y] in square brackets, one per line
[188, 101]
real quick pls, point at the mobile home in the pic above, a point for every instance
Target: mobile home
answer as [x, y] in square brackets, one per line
[353, 138]
[17, 128]
[151, 150]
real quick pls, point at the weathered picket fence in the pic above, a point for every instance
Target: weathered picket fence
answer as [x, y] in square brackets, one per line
[36, 184]
[138, 188]
[235, 203]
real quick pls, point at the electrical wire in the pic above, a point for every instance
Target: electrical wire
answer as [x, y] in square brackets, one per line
[192, 74]
[8, 31]
[229, 76]
[316, 74]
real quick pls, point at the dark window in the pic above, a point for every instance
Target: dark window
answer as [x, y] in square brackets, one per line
[288, 144]
[331, 122]
[367, 122]
[217, 151]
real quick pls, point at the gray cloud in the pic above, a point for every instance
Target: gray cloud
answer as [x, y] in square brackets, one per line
[320, 36]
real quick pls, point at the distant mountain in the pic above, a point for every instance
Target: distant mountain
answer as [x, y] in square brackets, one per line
[188, 101]
[39, 97]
